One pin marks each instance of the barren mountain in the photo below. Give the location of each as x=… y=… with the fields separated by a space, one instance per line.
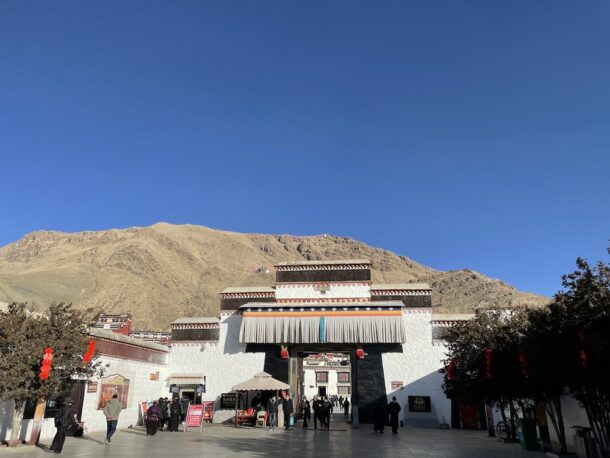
x=161 y=272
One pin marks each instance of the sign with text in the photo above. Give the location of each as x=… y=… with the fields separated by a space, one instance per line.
x=92 y=387
x=419 y=404
x=194 y=416
x=397 y=386
x=228 y=400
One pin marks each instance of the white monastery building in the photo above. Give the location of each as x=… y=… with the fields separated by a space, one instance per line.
x=384 y=337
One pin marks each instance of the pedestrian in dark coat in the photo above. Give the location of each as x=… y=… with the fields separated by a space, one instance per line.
x=288 y=411
x=317 y=404
x=175 y=411
x=272 y=409
x=394 y=409
x=152 y=419
x=379 y=417
x=346 y=408
x=162 y=413
x=305 y=411
x=64 y=422
x=325 y=411
x=185 y=405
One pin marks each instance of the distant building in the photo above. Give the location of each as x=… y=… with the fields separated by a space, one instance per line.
x=121 y=324
x=151 y=336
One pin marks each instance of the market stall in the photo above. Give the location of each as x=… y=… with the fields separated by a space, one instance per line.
x=261 y=382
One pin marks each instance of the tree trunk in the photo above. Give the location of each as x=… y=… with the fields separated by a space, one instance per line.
x=513 y=414
x=16 y=428
x=38 y=421
x=561 y=431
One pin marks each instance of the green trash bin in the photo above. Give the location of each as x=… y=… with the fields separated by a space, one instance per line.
x=526 y=428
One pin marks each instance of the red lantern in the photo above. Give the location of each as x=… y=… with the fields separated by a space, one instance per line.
x=523 y=362
x=284 y=352
x=582 y=354
x=90 y=351
x=451 y=369
x=359 y=353
x=583 y=358
x=45 y=367
x=488 y=360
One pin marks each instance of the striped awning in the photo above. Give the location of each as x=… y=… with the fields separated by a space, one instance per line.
x=347 y=326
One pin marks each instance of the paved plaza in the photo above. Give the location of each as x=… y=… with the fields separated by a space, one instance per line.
x=220 y=441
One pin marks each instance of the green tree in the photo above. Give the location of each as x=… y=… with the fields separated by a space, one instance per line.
x=585 y=305
x=23 y=338
x=501 y=383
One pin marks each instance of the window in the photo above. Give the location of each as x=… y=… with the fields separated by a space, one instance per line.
x=343 y=389
x=322 y=377
x=343 y=377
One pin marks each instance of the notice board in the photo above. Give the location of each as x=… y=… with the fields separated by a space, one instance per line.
x=194 y=416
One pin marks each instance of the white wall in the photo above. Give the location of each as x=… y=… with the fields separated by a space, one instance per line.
x=417 y=367
x=224 y=364
x=336 y=291
x=140 y=388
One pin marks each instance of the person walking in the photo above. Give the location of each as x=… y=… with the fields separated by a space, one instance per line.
x=316 y=412
x=152 y=419
x=64 y=422
x=288 y=411
x=272 y=409
x=112 y=410
x=175 y=411
x=379 y=417
x=162 y=413
x=325 y=411
x=185 y=406
x=305 y=411
x=394 y=409
x=346 y=408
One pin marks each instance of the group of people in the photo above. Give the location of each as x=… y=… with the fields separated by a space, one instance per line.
x=165 y=412
x=273 y=408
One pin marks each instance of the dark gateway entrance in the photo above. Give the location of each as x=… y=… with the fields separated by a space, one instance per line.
x=368 y=384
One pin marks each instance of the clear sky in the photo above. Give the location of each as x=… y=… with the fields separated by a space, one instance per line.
x=461 y=134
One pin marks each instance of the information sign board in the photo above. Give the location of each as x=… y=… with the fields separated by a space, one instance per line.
x=194 y=417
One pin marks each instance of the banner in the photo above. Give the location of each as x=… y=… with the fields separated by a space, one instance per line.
x=194 y=416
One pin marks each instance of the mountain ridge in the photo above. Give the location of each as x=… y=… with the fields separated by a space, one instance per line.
x=164 y=271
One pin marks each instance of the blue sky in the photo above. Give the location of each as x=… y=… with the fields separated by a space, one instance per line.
x=461 y=134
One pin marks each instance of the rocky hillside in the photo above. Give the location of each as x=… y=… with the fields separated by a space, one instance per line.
x=165 y=271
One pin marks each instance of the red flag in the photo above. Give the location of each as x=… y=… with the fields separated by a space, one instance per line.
x=488 y=360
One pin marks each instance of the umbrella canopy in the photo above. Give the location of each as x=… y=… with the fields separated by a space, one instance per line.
x=261 y=382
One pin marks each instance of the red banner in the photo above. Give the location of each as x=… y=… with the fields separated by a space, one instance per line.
x=194 y=415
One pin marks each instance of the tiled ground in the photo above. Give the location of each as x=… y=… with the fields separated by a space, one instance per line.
x=220 y=441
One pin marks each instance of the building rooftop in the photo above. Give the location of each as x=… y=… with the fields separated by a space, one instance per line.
x=248 y=289
x=323 y=263
x=105 y=334
x=452 y=316
x=196 y=320
x=399 y=286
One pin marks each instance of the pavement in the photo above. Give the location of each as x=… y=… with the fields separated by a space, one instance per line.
x=222 y=441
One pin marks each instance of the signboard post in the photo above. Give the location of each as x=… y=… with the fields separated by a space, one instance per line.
x=194 y=417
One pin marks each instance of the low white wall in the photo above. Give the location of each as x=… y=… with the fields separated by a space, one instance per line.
x=224 y=364
x=417 y=367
